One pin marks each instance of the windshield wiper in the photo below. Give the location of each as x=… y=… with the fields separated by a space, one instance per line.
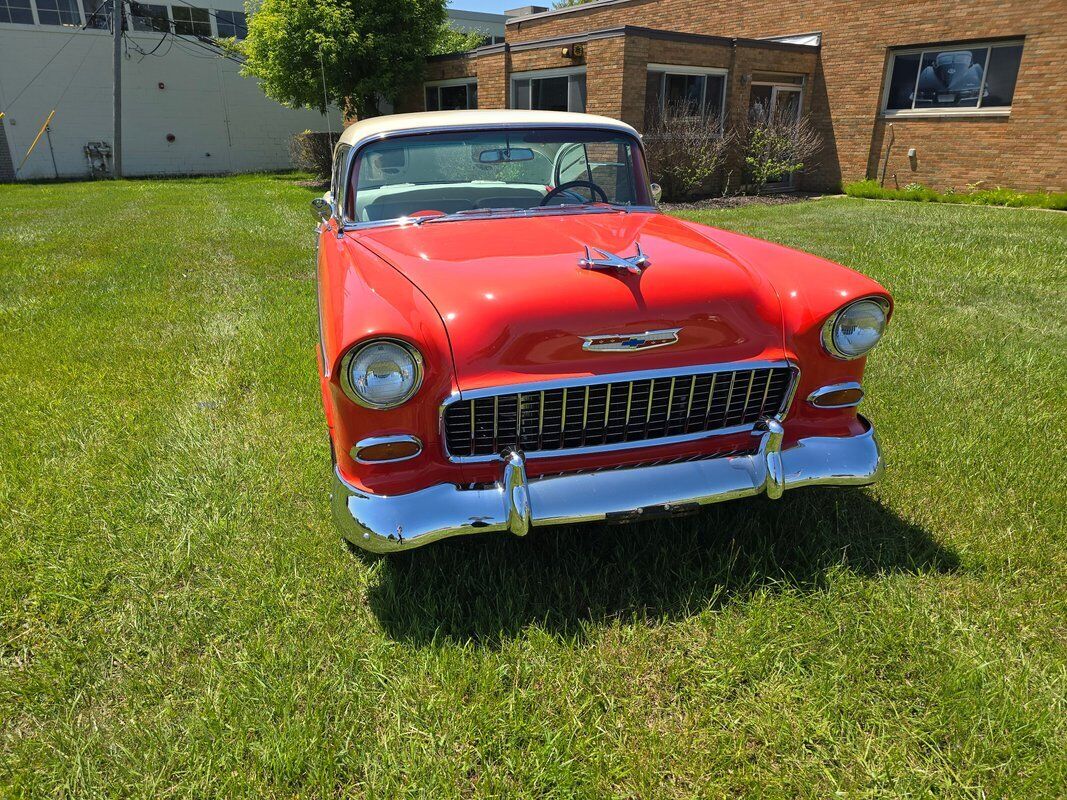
x=470 y=212
x=582 y=207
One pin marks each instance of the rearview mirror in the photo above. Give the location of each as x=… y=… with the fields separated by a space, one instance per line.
x=505 y=155
x=657 y=193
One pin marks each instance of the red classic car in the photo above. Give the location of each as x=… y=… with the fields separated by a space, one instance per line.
x=511 y=334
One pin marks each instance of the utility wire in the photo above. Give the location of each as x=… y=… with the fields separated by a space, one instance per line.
x=56 y=54
x=75 y=73
x=201 y=44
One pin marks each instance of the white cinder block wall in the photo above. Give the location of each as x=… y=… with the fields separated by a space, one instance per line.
x=221 y=122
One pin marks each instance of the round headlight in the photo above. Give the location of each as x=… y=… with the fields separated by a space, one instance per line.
x=383 y=373
x=855 y=329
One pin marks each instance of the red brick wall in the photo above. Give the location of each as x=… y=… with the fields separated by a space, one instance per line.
x=1025 y=150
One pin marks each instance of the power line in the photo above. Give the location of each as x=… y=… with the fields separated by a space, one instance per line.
x=75 y=73
x=200 y=43
x=56 y=54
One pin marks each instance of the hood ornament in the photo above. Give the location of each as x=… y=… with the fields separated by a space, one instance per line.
x=627 y=342
x=634 y=264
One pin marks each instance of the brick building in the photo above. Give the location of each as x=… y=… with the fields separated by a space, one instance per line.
x=965 y=90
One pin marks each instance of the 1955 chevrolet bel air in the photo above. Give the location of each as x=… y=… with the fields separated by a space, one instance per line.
x=511 y=334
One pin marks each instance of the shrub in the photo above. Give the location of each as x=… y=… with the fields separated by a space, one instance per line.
x=684 y=150
x=312 y=151
x=774 y=145
x=999 y=196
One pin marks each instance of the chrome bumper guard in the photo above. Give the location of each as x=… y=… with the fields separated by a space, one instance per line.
x=386 y=524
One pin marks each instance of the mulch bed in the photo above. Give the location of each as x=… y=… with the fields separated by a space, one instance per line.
x=740 y=201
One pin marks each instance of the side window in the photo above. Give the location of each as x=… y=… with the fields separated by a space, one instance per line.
x=337 y=184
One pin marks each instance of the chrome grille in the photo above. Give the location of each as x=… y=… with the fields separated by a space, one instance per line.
x=607 y=414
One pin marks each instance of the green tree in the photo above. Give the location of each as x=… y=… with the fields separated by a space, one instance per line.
x=451 y=40
x=570 y=3
x=370 y=50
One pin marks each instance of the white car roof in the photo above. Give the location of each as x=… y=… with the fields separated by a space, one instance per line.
x=376 y=127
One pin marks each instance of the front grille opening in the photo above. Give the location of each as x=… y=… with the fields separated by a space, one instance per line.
x=641 y=410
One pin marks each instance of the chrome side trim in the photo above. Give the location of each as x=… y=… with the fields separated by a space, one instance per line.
x=385 y=524
x=371 y=441
x=822 y=391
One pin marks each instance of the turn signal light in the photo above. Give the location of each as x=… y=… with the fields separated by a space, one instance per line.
x=837 y=398
x=399 y=449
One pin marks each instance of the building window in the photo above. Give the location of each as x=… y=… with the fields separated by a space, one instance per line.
x=454 y=95
x=549 y=90
x=691 y=91
x=149 y=18
x=189 y=21
x=97 y=14
x=231 y=24
x=58 y=12
x=952 y=79
x=16 y=11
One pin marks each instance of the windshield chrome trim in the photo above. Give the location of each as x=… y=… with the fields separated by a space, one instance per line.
x=354 y=149
x=546 y=211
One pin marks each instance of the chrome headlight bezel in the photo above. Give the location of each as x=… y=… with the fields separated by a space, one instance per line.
x=349 y=388
x=830 y=327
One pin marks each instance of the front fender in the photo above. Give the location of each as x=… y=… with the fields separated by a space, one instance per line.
x=810 y=289
x=362 y=297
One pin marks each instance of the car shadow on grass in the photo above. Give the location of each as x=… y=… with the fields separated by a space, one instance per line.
x=489 y=589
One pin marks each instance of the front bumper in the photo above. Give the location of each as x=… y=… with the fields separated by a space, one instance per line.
x=384 y=524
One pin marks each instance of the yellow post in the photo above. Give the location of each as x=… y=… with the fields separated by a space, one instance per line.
x=40 y=133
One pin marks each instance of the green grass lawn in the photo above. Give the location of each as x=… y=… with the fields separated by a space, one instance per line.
x=179 y=619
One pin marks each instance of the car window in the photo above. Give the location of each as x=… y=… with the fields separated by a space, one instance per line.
x=446 y=173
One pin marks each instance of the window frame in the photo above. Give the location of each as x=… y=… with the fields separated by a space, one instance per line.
x=225 y=16
x=174 y=21
x=32 y=8
x=438 y=85
x=58 y=12
x=132 y=22
x=542 y=74
x=678 y=69
x=940 y=47
x=96 y=15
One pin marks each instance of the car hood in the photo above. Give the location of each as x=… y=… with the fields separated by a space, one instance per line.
x=516 y=304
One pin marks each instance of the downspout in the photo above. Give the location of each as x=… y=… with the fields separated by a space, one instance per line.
x=888 y=148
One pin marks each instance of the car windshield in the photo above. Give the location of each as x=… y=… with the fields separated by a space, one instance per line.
x=472 y=172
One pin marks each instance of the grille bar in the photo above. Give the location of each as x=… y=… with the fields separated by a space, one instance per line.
x=614 y=413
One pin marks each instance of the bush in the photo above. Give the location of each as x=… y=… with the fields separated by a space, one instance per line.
x=999 y=196
x=684 y=151
x=774 y=145
x=313 y=152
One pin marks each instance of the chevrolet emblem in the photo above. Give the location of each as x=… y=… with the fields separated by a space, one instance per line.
x=626 y=342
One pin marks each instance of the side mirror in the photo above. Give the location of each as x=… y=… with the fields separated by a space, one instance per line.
x=321 y=209
x=657 y=193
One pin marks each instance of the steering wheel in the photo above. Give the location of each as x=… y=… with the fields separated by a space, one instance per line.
x=594 y=190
